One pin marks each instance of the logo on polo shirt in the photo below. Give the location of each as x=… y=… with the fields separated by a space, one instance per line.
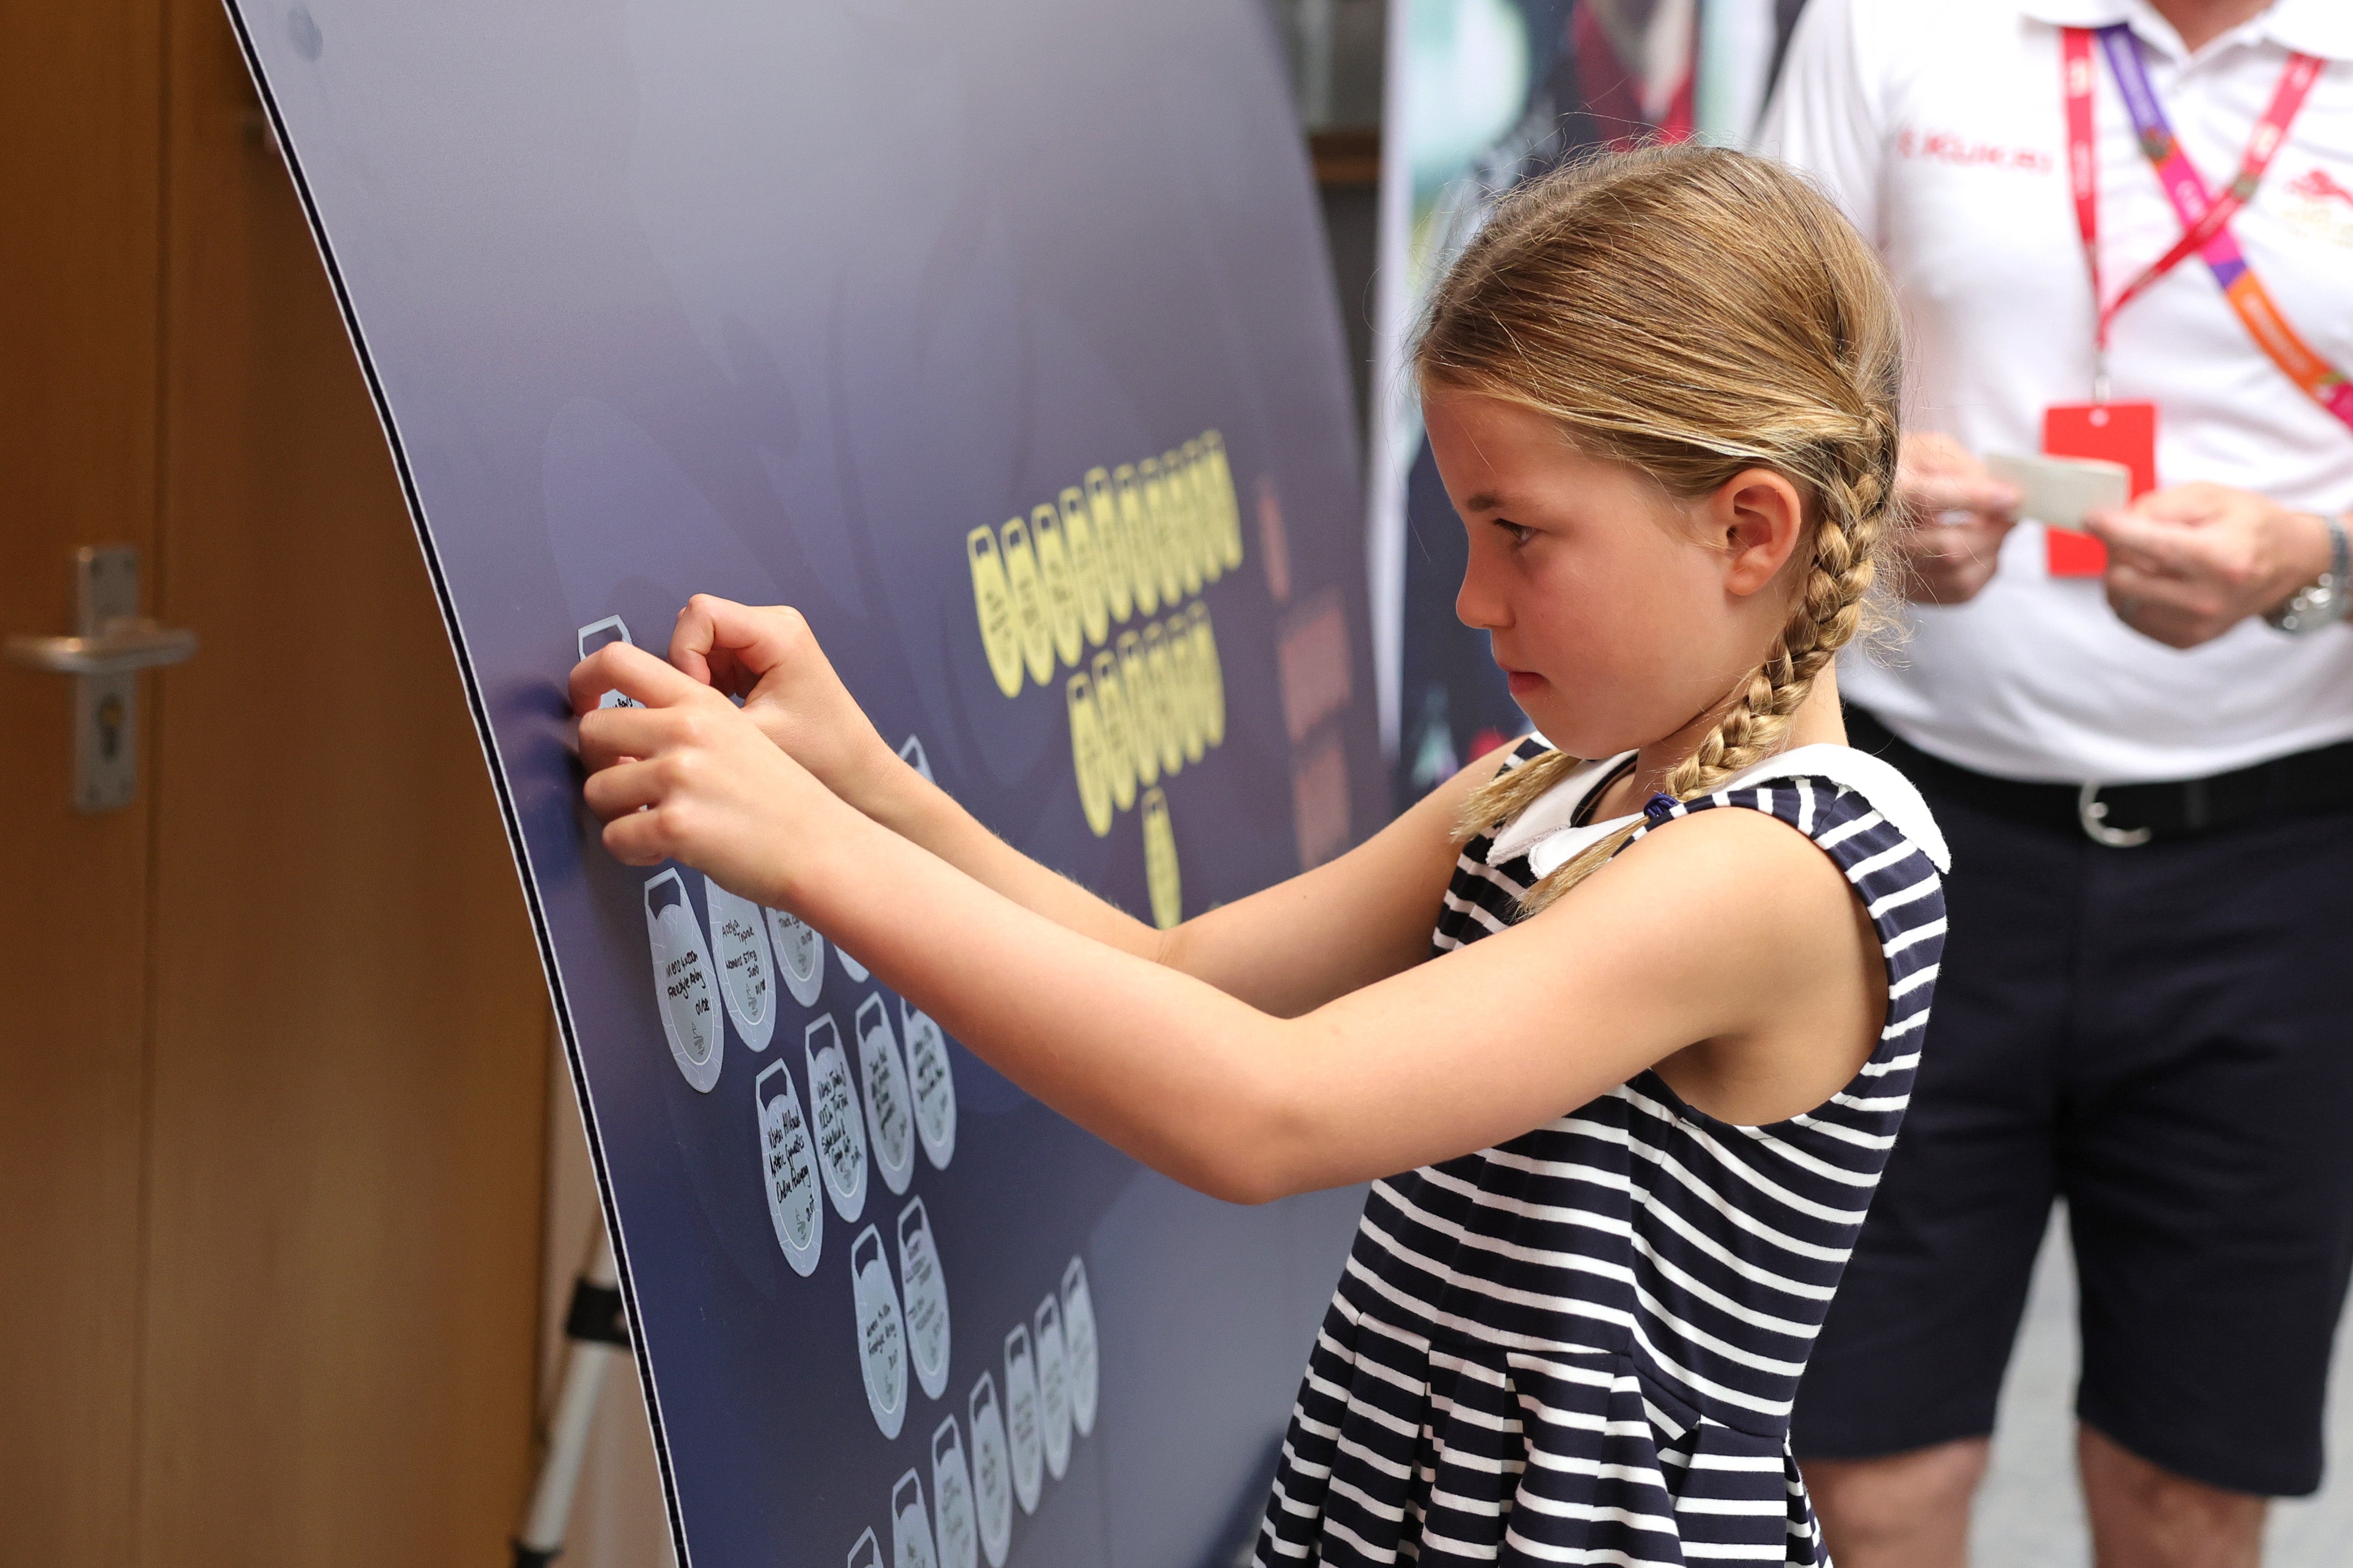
x=2317 y=184
x=1963 y=151
x=2318 y=205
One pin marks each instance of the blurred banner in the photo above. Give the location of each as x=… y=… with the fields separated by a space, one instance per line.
x=1483 y=94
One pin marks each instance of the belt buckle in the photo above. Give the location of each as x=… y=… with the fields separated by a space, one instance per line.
x=2091 y=812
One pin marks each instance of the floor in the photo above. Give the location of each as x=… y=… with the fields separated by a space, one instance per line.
x=2031 y=1514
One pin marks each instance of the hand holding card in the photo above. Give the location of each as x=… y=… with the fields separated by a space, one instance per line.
x=2061 y=492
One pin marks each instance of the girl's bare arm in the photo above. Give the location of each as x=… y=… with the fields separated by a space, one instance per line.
x=1727 y=927
x=1284 y=951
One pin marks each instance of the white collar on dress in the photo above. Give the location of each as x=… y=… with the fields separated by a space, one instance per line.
x=2322 y=27
x=1547 y=835
x=1553 y=812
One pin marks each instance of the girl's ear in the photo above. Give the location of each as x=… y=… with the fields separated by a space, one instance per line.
x=1758 y=518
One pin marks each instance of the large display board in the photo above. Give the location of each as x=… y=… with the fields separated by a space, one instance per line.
x=1000 y=341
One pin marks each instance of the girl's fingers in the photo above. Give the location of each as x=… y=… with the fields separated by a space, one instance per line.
x=717 y=638
x=697 y=641
x=633 y=672
x=639 y=838
x=619 y=790
x=610 y=735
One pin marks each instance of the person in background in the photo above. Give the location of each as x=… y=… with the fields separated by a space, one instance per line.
x=2120 y=228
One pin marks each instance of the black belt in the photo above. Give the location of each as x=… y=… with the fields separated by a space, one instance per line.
x=2123 y=816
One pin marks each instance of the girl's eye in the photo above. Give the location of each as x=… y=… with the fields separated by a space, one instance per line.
x=1517 y=534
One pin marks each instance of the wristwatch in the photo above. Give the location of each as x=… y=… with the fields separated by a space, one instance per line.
x=2323 y=603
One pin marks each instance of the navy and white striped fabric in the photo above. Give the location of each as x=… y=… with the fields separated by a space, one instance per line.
x=1582 y=1346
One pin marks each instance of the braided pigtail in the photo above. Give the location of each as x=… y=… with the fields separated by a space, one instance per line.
x=1692 y=312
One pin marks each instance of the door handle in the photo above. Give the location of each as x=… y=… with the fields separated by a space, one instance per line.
x=111 y=643
x=124 y=644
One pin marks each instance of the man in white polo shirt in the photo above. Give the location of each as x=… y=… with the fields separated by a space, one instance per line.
x=2146 y=997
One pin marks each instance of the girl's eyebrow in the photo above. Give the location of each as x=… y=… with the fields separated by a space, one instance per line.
x=1485 y=500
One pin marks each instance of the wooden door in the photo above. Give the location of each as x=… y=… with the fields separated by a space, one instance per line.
x=273 y=1085
x=81 y=146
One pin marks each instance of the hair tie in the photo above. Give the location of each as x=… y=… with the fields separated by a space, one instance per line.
x=1660 y=808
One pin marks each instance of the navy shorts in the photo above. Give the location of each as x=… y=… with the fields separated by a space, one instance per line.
x=2162 y=1035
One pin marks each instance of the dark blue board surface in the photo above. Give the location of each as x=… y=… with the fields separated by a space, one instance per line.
x=780 y=301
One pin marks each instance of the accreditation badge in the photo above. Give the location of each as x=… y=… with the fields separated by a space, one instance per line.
x=2114 y=433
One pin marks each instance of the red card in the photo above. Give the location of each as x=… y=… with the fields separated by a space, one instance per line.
x=2114 y=432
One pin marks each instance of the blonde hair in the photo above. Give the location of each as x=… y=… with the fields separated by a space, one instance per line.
x=1692 y=312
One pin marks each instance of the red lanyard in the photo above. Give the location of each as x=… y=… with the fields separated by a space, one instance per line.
x=2183 y=186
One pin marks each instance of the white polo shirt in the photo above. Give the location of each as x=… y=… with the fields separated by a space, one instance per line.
x=1940 y=128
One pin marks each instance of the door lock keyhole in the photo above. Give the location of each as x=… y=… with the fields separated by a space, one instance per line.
x=110 y=714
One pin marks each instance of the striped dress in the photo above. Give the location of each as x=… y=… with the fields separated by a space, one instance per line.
x=1581 y=1346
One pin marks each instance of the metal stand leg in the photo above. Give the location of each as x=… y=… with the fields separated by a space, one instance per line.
x=598 y=1332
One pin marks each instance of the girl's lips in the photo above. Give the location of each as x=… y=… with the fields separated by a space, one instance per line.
x=1524 y=682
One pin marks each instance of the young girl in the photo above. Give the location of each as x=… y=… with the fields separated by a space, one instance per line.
x=1653 y=1059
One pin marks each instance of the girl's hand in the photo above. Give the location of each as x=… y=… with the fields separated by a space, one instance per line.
x=689 y=777
x=770 y=658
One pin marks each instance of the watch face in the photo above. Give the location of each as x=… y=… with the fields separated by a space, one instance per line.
x=2324 y=603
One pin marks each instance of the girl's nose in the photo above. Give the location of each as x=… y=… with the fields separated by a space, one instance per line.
x=1478 y=605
